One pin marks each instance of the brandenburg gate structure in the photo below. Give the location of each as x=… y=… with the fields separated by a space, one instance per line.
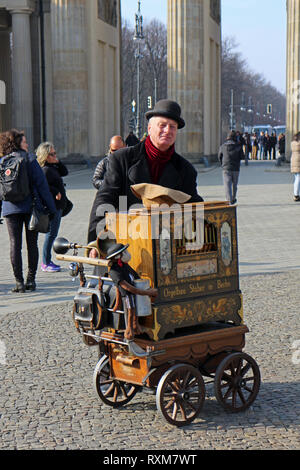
x=60 y=69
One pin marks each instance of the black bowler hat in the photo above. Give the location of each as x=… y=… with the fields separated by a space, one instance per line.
x=169 y=109
x=115 y=250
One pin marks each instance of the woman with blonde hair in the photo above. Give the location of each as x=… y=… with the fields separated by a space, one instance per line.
x=53 y=170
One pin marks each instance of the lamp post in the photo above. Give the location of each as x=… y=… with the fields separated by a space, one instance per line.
x=138 y=36
x=243 y=107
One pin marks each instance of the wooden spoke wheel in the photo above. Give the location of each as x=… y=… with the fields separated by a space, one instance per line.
x=112 y=392
x=237 y=382
x=180 y=394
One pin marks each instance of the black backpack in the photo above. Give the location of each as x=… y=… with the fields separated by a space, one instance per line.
x=14 y=179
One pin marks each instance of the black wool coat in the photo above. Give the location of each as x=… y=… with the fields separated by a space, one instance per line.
x=54 y=173
x=129 y=166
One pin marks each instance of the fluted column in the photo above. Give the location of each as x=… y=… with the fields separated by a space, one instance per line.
x=293 y=73
x=22 y=103
x=70 y=77
x=186 y=70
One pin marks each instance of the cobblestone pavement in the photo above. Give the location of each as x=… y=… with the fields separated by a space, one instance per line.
x=47 y=399
x=48 y=402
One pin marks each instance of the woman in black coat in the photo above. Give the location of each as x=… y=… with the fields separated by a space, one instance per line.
x=17 y=214
x=54 y=170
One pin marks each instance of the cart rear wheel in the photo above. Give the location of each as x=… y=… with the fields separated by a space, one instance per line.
x=237 y=382
x=112 y=392
x=180 y=394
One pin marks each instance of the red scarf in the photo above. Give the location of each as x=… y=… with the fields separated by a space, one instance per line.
x=121 y=263
x=157 y=159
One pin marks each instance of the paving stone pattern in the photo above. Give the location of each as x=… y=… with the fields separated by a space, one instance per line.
x=47 y=399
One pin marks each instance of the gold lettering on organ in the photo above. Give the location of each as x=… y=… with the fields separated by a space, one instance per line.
x=197 y=287
x=173 y=292
x=223 y=284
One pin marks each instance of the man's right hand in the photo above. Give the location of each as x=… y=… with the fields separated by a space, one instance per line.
x=152 y=292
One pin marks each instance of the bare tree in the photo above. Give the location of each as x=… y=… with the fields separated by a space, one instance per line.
x=252 y=92
x=153 y=70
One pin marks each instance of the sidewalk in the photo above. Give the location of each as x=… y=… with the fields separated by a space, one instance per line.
x=47 y=400
x=268 y=227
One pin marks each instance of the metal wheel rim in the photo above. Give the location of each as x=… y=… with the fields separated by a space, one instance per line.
x=180 y=394
x=112 y=392
x=237 y=382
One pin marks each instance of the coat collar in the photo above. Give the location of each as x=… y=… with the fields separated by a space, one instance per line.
x=139 y=171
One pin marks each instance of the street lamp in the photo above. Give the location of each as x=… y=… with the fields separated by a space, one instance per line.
x=242 y=106
x=138 y=36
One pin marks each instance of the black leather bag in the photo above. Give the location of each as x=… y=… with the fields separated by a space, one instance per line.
x=39 y=221
x=68 y=207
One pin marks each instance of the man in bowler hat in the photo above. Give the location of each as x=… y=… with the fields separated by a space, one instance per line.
x=153 y=161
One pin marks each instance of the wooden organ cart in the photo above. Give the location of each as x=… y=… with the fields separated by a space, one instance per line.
x=195 y=328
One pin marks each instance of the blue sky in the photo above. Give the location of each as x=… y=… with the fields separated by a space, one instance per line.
x=258 y=26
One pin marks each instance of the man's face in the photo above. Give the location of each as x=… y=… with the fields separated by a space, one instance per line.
x=116 y=143
x=162 y=132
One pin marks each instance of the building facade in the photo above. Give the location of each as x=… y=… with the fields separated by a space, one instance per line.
x=60 y=62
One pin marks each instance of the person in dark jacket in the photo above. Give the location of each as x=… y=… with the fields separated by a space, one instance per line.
x=131 y=139
x=18 y=214
x=116 y=143
x=230 y=155
x=53 y=170
x=152 y=161
x=261 y=142
x=281 y=148
x=273 y=143
x=267 y=146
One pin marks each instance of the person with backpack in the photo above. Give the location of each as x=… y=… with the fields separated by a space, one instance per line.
x=53 y=170
x=21 y=181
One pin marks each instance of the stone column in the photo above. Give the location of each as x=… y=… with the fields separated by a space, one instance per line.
x=70 y=77
x=186 y=71
x=194 y=44
x=22 y=104
x=293 y=73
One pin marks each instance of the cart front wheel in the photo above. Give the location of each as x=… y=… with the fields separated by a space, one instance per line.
x=237 y=382
x=112 y=392
x=180 y=394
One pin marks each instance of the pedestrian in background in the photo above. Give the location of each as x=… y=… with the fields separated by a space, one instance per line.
x=254 y=145
x=17 y=214
x=281 y=146
x=230 y=155
x=267 y=146
x=247 y=147
x=131 y=140
x=295 y=165
x=53 y=170
x=116 y=143
x=273 y=143
x=261 y=142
